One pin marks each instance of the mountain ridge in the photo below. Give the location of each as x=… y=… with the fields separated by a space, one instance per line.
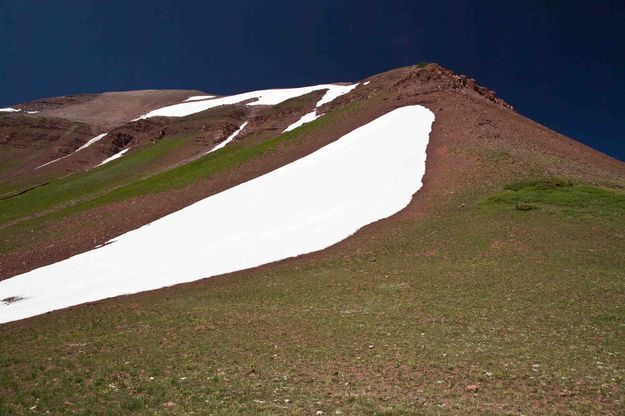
x=497 y=289
x=478 y=119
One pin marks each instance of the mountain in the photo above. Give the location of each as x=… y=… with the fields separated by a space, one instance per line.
x=486 y=275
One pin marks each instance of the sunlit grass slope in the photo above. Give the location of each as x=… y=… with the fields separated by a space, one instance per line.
x=527 y=305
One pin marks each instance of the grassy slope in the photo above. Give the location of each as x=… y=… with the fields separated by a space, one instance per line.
x=84 y=184
x=122 y=179
x=12 y=156
x=87 y=185
x=522 y=304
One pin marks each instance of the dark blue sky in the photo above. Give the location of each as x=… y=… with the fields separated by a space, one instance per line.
x=561 y=63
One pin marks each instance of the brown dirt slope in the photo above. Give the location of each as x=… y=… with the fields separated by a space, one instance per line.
x=453 y=306
x=478 y=143
x=63 y=124
x=110 y=109
x=27 y=141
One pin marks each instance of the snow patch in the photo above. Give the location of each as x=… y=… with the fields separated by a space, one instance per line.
x=89 y=143
x=302 y=207
x=334 y=92
x=366 y=83
x=306 y=118
x=9 y=110
x=115 y=156
x=199 y=97
x=229 y=139
x=52 y=161
x=329 y=96
x=263 y=97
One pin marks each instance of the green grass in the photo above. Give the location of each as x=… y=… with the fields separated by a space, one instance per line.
x=119 y=181
x=526 y=305
x=226 y=158
x=563 y=197
x=85 y=184
x=123 y=181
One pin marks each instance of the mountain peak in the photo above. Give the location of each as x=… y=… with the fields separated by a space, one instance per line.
x=431 y=77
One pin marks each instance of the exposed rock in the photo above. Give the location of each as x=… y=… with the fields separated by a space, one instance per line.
x=524 y=206
x=444 y=78
x=471 y=388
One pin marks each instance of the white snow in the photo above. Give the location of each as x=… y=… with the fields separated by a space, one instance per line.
x=329 y=96
x=199 y=97
x=15 y=110
x=366 y=83
x=306 y=118
x=308 y=205
x=52 y=161
x=334 y=92
x=89 y=143
x=263 y=97
x=228 y=139
x=115 y=156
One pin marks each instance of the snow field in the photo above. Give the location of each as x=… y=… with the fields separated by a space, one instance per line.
x=368 y=174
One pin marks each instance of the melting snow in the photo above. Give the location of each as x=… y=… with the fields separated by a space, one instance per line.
x=115 y=156
x=329 y=96
x=9 y=110
x=52 y=161
x=335 y=92
x=89 y=143
x=306 y=118
x=229 y=139
x=304 y=206
x=263 y=97
x=199 y=97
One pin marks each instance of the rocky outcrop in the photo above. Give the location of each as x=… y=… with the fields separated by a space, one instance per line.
x=411 y=83
x=462 y=82
x=433 y=77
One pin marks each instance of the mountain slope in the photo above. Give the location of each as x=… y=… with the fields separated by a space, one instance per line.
x=109 y=109
x=302 y=207
x=459 y=289
x=477 y=143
